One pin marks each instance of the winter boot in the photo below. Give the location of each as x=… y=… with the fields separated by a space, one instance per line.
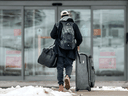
x=61 y=88
x=67 y=82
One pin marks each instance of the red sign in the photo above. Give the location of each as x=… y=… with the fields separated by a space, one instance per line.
x=107 y=63
x=107 y=53
x=13 y=62
x=13 y=52
x=97 y=32
x=17 y=32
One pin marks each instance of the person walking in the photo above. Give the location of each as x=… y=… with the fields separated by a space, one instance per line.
x=67 y=38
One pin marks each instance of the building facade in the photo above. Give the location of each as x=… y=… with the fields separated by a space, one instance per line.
x=25 y=27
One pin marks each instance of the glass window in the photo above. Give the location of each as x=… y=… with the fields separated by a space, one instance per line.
x=10 y=43
x=108 y=42
x=38 y=25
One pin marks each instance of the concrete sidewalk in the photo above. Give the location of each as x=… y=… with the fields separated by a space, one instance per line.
x=97 y=93
x=55 y=84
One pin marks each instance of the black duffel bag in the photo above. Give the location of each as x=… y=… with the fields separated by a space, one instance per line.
x=48 y=57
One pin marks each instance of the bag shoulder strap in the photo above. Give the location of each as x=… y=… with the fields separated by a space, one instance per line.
x=52 y=45
x=57 y=25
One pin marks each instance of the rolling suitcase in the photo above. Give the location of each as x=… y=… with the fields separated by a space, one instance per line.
x=85 y=73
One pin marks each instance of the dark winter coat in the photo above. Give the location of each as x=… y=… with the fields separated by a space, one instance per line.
x=57 y=34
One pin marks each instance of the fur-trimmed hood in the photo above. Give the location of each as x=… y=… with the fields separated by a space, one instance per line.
x=66 y=18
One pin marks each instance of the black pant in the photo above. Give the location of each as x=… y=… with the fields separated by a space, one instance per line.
x=62 y=63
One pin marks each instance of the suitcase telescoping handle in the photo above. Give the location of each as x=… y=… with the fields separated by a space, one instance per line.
x=78 y=56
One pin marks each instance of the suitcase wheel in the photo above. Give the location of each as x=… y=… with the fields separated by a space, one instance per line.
x=77 y=89
x=92 y=84
x=89 y=89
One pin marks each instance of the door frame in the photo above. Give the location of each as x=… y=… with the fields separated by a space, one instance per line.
x=22 y=43
x=57 y=17
x=98 y=78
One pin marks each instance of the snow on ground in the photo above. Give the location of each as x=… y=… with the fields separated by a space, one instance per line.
x=109 y=88
x=40 y=91
x=32 y=91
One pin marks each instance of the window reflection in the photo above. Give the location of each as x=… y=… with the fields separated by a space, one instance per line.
x=108 y=39
x=10 y=43
x=38 y=25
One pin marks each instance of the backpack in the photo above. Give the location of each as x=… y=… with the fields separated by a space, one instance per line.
x=67 y=40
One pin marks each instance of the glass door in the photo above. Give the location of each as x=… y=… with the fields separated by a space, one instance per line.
x=39 y=22
x=11 y=43
x=82 y=17
x=108 y=42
